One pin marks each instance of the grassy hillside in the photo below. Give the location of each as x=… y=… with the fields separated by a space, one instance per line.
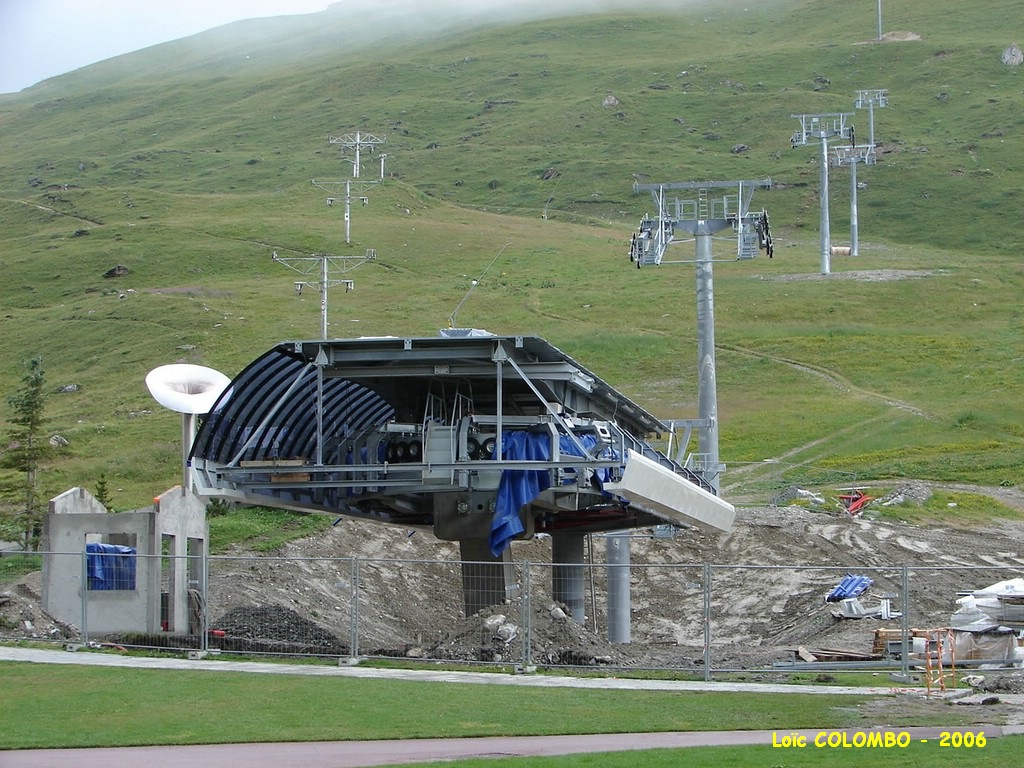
x=190 y=162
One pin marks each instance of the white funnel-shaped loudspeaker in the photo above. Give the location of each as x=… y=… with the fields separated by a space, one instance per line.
x=186 y=388
x=191 y=390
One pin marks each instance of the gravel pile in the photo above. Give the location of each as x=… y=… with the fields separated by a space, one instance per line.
x=1002 y=684
x=21 y=616
x=795 y=494
x=270 y=629
x=555 y=639
x=914 y=493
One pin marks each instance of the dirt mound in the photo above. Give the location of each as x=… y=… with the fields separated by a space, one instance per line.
x=272 y=628
x=761 y=612
x=859 y=275
x=900 y=36
x=555 y=639
x=911 y=492
x=21 y=615
x=768 y=583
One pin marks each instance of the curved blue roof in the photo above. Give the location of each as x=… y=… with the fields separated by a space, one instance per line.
x=269 y=411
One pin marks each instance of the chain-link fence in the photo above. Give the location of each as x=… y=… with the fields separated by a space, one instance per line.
x=698 y=618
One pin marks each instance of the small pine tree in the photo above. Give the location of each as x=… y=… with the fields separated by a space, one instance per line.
x=28 y=449
x=103 y=492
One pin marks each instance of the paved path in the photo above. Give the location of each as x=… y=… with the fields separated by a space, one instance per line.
x=353 y=754
x=210 y=664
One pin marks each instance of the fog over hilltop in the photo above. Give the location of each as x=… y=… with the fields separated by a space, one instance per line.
x=46 y=38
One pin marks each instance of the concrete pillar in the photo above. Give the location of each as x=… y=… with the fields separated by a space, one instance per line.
x=619 y=604
x=567 y=573
x=854 y=226
x=486 y=580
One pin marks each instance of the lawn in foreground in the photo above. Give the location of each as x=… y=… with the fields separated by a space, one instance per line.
x=71 y=706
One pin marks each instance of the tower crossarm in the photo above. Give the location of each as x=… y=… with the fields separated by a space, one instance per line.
x=850 y=155
x=727 y=208
x=822 y=126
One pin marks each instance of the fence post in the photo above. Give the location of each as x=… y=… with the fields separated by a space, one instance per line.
x=204 y=609
x=525 y=619
x=707 y=622
x=85 y=598
x=905 y=633
x=353 y=613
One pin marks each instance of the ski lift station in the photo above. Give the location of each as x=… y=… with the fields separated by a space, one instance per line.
x=475 y=438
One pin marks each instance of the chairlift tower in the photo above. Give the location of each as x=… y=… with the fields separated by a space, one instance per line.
x=878 y=97
x=347 y=199
x=352 y=141
x=823 y=127
x=712 y=210
x=326 y=265
x=358 y=141
x=853 y=156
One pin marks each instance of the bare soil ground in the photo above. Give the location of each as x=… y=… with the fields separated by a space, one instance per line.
x=409 y=602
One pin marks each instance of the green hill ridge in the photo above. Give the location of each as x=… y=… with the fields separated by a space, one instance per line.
x=189 y=163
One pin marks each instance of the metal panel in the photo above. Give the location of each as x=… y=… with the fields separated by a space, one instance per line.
x=650 y=486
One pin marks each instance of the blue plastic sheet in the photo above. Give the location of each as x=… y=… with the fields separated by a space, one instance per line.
x=567 y=447
x=110 y=566
x=517 y=486
x=520 y=486
x=850 y=586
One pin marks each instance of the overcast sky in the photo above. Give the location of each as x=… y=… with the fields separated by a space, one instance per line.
x=44 y=38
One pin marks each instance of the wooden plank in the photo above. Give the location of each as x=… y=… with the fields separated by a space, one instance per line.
x=806 y=655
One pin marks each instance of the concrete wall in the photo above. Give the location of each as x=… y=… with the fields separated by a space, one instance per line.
x=75 y=501
x=171 y=542
x=181 y=520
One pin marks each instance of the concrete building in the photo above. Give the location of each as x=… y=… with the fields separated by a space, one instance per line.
x=138 y=571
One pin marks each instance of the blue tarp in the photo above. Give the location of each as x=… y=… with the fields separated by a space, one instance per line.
x=110 y=566
x=517 y=486
x=520 y=486
x=850 y=586
x=567 y=447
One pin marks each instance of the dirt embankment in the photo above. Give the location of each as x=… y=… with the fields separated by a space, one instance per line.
x=409 y=586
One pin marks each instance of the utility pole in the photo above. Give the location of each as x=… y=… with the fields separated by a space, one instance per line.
x=822 y=127
x=355 y=141
x=853 y=156
x=348 y=208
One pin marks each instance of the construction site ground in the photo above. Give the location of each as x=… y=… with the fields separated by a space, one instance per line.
x=761 y=616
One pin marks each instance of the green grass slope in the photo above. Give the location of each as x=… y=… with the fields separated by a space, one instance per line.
x=189 y=163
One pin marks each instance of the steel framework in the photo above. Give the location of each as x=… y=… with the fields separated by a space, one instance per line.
x=306 y=265
x=822 y=127
x=358 y=141
x=702 y=216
